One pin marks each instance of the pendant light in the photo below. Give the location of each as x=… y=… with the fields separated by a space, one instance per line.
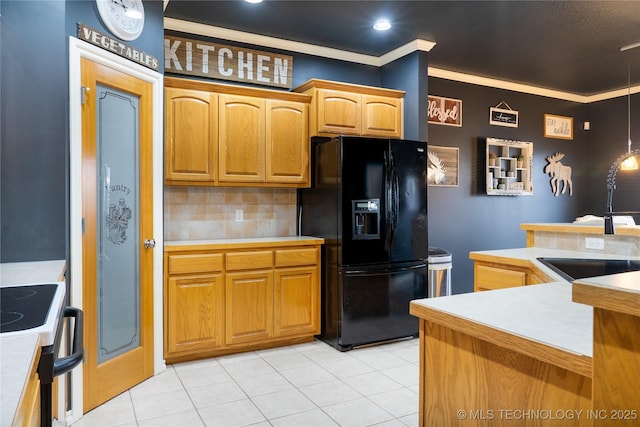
x=630 y=163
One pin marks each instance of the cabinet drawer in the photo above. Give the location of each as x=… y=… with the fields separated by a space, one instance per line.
x=300 y=256
x=498 y=278
x=195 y=263
x=249 y=260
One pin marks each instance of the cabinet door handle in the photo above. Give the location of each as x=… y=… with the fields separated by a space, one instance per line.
x=149 y=243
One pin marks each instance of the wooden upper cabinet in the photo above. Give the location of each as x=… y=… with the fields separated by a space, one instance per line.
x=381 y=116
x=348 y=109
x=235 y=135
x=287 y=142
x=191 y=134
x=339 y=112
x=241 y=139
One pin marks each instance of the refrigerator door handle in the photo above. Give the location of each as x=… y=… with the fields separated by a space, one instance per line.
x=388 y=202
x=396 y=207
x=393 y=208
x=385 y=271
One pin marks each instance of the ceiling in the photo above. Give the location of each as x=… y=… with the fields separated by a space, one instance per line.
x=567 y=46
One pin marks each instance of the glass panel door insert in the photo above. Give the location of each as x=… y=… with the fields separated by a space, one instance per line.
x=118 y=240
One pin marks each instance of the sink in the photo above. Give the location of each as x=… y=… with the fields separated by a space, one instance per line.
x=579 y=268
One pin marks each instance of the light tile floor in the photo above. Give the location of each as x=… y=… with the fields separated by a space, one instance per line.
x=310 y=384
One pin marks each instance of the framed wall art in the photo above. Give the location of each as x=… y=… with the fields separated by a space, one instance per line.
x=442 y=166
x=503 y=116
x=559 y=127
x=444 y=111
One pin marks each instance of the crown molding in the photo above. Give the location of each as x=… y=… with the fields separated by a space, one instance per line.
x=272 y=42
x=529 y=89
x=292 y=46
x=412 y=46
x=504 y=84
x=378 y=61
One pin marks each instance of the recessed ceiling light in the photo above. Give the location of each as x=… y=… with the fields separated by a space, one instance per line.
x=253 y=1
x=382 y=25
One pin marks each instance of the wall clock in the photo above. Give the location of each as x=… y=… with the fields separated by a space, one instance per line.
x=124 y=18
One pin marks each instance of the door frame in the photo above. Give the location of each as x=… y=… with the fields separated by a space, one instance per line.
x=80 y=49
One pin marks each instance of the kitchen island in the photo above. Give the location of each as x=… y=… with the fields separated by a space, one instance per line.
x=526 y=355
x=502 y=357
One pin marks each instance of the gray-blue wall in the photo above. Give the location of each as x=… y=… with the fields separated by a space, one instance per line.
x=34 y=142
x=409 y=74
x=34 y=139
x=608 y=136
x=463 y=219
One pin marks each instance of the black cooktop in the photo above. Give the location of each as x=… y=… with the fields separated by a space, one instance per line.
x=25 y=307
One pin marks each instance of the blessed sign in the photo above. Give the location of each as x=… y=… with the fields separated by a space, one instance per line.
x=217 y=61
x=444 y=111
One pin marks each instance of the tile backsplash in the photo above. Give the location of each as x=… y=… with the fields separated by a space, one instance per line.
x=203 y=213
x=613 y=244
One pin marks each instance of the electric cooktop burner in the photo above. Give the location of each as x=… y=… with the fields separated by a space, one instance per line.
x=25 y=307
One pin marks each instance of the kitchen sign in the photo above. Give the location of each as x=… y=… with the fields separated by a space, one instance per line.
x=99 y=39
x=222 y=62
x=444 y=111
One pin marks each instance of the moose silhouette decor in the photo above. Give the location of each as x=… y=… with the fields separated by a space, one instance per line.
x=560 y=174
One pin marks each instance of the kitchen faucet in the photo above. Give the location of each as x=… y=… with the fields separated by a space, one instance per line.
x=611 y=185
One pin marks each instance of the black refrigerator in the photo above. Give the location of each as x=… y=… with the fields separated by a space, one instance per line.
x=368 y=200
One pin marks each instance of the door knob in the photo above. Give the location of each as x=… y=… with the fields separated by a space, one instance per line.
x=149 y=243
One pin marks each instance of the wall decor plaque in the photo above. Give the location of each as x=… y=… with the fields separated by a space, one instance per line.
x=223 y=62
x=503 y=116
x=559 y=127
x=444 y=111
x=442 y=166
x=111 y=44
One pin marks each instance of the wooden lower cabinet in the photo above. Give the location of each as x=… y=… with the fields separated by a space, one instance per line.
x=28 y=410
x=221 y=301
x=249 y=302
x=296 y=301
x=488 y=275
x=196 y=305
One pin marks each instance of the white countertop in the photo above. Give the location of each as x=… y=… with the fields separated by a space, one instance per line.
x=17 y=350
x=16 y=358
x=622 y=282
x=20 y=273
x=531 y=255
x=543 y=313
x=616 y=292
x=241 y=241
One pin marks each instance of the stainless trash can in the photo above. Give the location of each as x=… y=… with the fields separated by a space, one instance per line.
x=440 y=264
